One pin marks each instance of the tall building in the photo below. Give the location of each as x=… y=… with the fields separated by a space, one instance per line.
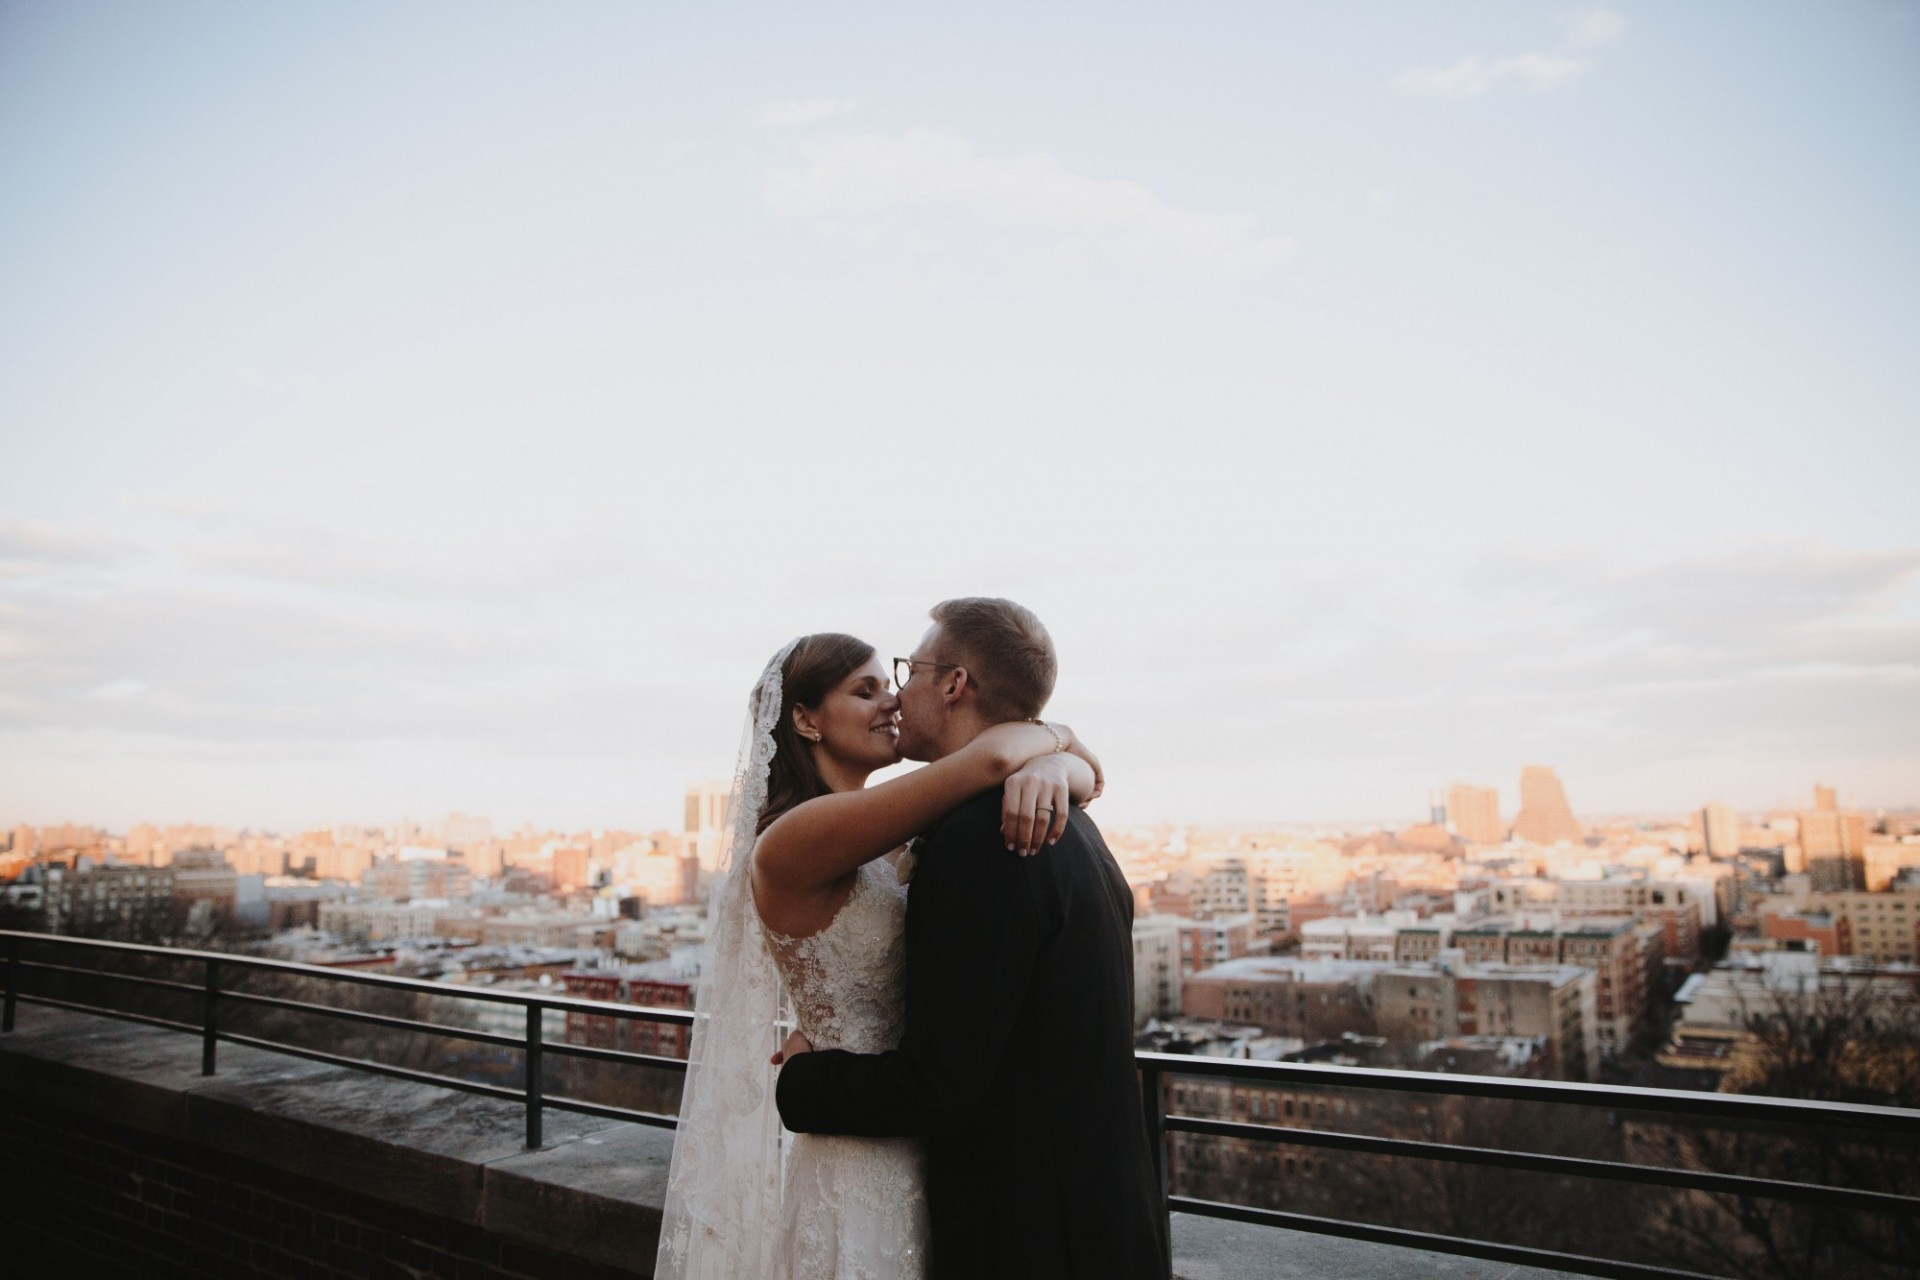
x=1552 y=1001
x=69 y=836
x=1884 y=927
x=101 y=900
x=653 y=869
x=1205 y=943
x=1545 y=817
x=1885 y=859
x=1474 y=813
x=1409 y=1005
x=254 y=855
x=1721 y=829
x=204 y=875
x=404 y=879
x=1833 y=844
x=1680 y=908
x=1156 y=968
x=336 y=859
x=1285 y=996
x=1618 y=952
x=707 y=821
x=571 y=869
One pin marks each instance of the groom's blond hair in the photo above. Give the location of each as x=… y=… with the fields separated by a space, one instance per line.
x=1006 y=649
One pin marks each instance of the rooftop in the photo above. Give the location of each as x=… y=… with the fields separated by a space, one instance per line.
x=1299 y=968
x=389 y=1160
x=502 y=1148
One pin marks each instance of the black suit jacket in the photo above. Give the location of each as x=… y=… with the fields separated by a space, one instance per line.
x=1017 y=1061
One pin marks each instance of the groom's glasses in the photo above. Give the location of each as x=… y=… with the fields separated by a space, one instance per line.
x=903 y=669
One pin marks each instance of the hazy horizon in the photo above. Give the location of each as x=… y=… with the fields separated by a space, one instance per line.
x=504 y=827
x=411 y=410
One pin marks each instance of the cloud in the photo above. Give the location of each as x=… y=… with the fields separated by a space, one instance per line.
x=1324 y=689
x=1653 y=686
x=1781 y=658
x=794 y=112
x=924 y=174
x=1475 y=76
x=53 y=543
x=1594 y=28
x=35 y=547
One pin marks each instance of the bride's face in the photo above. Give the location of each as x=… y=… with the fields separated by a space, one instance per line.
x=859 y=722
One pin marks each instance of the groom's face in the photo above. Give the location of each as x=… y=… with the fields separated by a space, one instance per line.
x=923 y=709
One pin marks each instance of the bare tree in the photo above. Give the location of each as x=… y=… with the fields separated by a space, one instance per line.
x=1854 y=1039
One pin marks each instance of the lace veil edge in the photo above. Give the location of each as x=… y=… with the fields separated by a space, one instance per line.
x=722 y=1219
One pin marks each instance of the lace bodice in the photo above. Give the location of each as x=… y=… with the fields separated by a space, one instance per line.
x=856 y=1207
x=847 y=981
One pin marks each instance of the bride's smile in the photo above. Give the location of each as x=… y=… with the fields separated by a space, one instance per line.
x=855 y=729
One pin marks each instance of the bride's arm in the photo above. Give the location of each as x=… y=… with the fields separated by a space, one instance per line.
x=814 y=844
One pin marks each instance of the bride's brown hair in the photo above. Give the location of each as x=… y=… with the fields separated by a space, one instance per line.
x=817 y=663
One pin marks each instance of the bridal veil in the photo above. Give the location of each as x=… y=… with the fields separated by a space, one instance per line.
x=722 y=1219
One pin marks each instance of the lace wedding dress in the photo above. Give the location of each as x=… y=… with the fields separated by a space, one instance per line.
x=855 y=1208
x=745 y=1199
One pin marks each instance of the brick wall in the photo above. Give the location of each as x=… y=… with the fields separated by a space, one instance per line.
x=83 y=1197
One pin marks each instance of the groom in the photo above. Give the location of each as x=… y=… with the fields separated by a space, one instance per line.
x=1017 y=1062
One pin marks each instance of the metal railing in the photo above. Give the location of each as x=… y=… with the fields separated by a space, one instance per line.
x=214 y=995
x=1156 y=1067
x=1155 y=1070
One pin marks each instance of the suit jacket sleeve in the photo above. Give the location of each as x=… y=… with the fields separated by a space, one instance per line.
x=974 y=926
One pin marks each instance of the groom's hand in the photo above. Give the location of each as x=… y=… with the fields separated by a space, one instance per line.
x=796 y=1044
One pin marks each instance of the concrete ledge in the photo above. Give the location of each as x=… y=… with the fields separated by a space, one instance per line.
x=600 y=1193
x=593 y=1193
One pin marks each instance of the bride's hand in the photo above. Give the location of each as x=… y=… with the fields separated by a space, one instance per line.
x=796 y=1044
x=1033 y=810
x=1070 y=741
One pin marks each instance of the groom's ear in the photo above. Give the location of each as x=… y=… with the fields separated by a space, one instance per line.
x=959 y=680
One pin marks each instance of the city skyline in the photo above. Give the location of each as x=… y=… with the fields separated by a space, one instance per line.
x=449 y=410
x=1476 y=814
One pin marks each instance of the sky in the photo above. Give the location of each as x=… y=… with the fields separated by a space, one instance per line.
x=407 y=409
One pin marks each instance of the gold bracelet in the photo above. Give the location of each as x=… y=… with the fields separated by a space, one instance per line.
x=1059 y=743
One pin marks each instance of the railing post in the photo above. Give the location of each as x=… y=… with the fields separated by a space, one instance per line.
x=13 y=983
x=1153 y=1104
x=533 y=1076
x=210 y=1023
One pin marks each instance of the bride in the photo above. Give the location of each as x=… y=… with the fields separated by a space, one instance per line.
x=809 y=902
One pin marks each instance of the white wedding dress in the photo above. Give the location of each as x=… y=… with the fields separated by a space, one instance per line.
x=746 y=1200
x=855 y=1208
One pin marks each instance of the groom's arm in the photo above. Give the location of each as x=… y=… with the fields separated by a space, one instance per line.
x=973 y=930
